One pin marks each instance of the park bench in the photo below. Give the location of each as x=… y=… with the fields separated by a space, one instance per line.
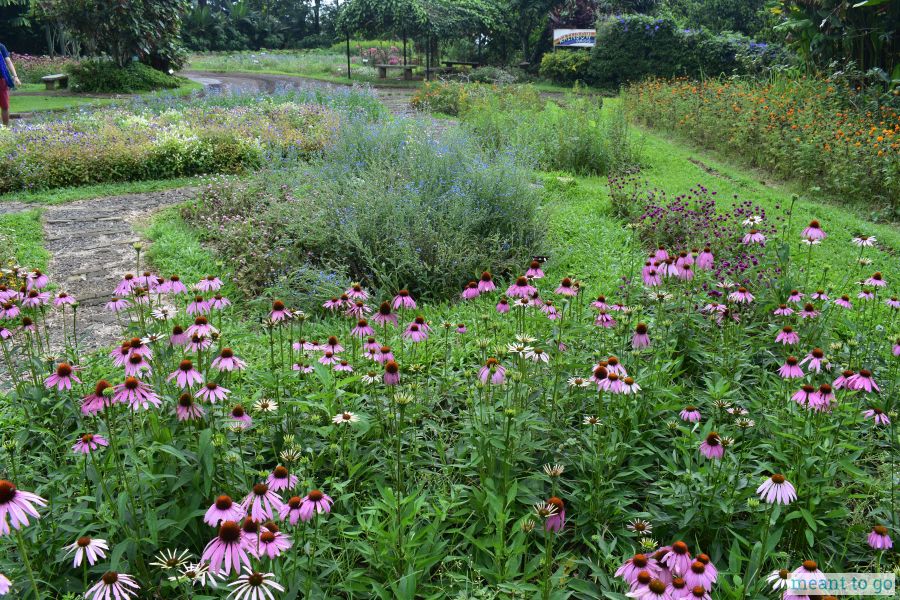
x=407 y=70
x=51 y=80
x=462 y=63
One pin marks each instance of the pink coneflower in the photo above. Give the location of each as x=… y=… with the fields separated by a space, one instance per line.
x=844 y=302
x=842 y=382
x=210 y=283
x=280 y=479
x=705 y=260
x=404 y=300
x=87 y=548
x=262 y=502
x=521 y=288
x=279 y=312
x=173 y=285
x=684 y=258
x=9 y=311
x=461 y=328
x=63 y=299
x=16 y=506
x=604 y=320
x=678 y=559
x=795 y=296
x=149 y=280
x=357 y=309
x=712 y=449
x=415 y=333
x=640 y=339
x=876 y=280
x=34 y=299
x=690 y=414
x=179 y=337
x=356 y=292
x=879 y=539
x=186 y=409
x=776 y=490
x=28 y=325
x=629 y=386
x=385 y=355
x=471 y=291
x=95 y=402
x=813 y=231
x=273 y=543
x=5 y=585
x=556 y=521
x=486 y=282
x=333 y=345
x=227 y=361
x=804 y=394
x=88 y=443
x=62 y=378
x=893 y=302
x=201 y=327
x=787 y=336
x=534 y=270
x=118 y=586
x=809 y=311
x=385 y=315
x=741 y=296
x=600 y=303
x=503 y=305
x=634 y=565
x=865 y=294
x=754 y=236
x=328 y=358
x=550 y=310
x=699 y=593
x=199 y=306
x=219 y=302
x=661 y=254
x=37 y=280
x=822 y=400
x=791 y=369
x=820 y=295
x=651 y=277
x=371 y=344
x=136 y=366
x=253 y=585
x=333 y=304
x=685 y=273
x=391 y=373
x=613 y=365
x=878 y=416
x=343 y=366
x=711 y=569
x=566 y=288
x=186 y=375
x=223 y=509
x=227 y=549
x=135 y=393
x=699 y=575
x=863 y=381
x=239 y=417
x=303 y=367
x=492 y=371
x=290 y=510
x=212 y=392
x=815 y=358
x=315 y=502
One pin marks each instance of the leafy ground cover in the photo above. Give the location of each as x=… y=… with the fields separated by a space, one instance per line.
x=696 y=421
x=22 y=239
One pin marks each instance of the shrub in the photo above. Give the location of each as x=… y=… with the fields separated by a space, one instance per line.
x=453 y=98
x=104 y=76
x=497 y=75
x=388 y=205
x=806 y=130
x=565 y=66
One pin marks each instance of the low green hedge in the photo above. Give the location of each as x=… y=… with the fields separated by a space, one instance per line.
x=105 y=77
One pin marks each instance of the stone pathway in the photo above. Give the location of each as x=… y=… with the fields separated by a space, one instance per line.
x=91 y=242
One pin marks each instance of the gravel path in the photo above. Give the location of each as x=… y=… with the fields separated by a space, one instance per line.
x=91 y=242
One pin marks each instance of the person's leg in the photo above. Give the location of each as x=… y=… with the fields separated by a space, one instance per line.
x=4 y=102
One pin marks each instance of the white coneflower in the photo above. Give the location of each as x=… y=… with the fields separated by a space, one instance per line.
x=640 y=526
x=345 y=418
x=525 y=339
x=371 y=378
x=591 y=421
x=864 y=240
x=254 y=586
x=264 y=405
x=168 y=560
x=648 y=544
x=578 y=382
x=554 y=470
x=291 y=455
x=778 y=579
x=196 y=574
x=537 y=355
x=545 y=510
x=163 y=313
x=753 y=220
x=520 y=349
x=864 y=261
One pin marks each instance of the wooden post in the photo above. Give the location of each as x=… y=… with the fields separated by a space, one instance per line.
x=404 y=49
x=348 y=57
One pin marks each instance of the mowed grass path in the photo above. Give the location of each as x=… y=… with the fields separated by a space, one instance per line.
x=587 y=242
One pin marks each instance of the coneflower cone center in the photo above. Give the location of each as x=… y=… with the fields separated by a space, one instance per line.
x=229 y=532
x=260 y=489
x=880 y=529
x=280 y=472
x=7 y=491
x=224 y=502
x=316 y=495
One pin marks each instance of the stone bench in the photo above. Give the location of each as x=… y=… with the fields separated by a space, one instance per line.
x=407 y=70
x=50 y=81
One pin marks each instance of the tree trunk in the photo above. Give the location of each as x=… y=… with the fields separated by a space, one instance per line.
x=317 y=8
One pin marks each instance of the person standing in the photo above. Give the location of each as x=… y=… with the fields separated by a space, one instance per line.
x=8 y=80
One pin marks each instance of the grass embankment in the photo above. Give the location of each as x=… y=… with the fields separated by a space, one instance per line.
x=22 y=240
x=29 y=98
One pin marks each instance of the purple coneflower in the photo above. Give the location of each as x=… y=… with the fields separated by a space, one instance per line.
x=16 y=506
x=471 y=291
x=629 y=386
x=356 y=292
x=640 y=339
x=89 y=548
x=328 y=358
x=809 y=311
x=534 y=270
x=227 y=361
x=879 y=539
x=690 y=414
x=136 y=366
x=604 y=320
x=866 y=294
x=179 y=337
x=332 y=304
x=210 y=283
x=223 y=509
x=280 y=479
x=219 y=302
x=815 y=359
x=118 y=586
x=754 y=236
x=186 y=375
x=705 y=260
x=212 y=392
x=37 y=280
x=262 y=502
x=651 y=277
x=201 y=327
x=486 y=282
x=199 y=306
x=186 y=409
x=566 y=288
x=844 y=302
x=415 y=333
x=550 y=310
x=712 y=449
x=791 y=369
x=876 y=280
x=63 y=299
x=391 y=373
x=385 y=315
x=492 y=371
x=239 y=417
x=8 y=310
x=34 y=299
x=678 y=558
x=521 y=288
x=95 y=402
x=273 y=543
x=88 y=443
x=314 y=502
x=864 y=241
x=634 y=565
x=404 y=300
x=741 y=296
x=813 y=231
x=893 y=302
x=863 y=381
x=787 y=336
x=503 y=305
x=227 y=549
x=777 y=490
x=136 y=394
x=343 y=366
x=795 y=296
x=699 y=575
x=556 y=521
x=62 y=378
x=843 y=380
x=117 y=305
x=804 y=394
x=279 y=312
x=878 y=416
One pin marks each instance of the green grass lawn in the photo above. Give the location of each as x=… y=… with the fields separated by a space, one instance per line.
x=29 y=103
x=22 y=239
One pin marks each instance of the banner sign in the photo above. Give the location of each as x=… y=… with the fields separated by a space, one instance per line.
x=575 y=38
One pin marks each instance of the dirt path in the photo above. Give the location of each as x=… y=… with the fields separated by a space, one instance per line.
x=91 y=242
